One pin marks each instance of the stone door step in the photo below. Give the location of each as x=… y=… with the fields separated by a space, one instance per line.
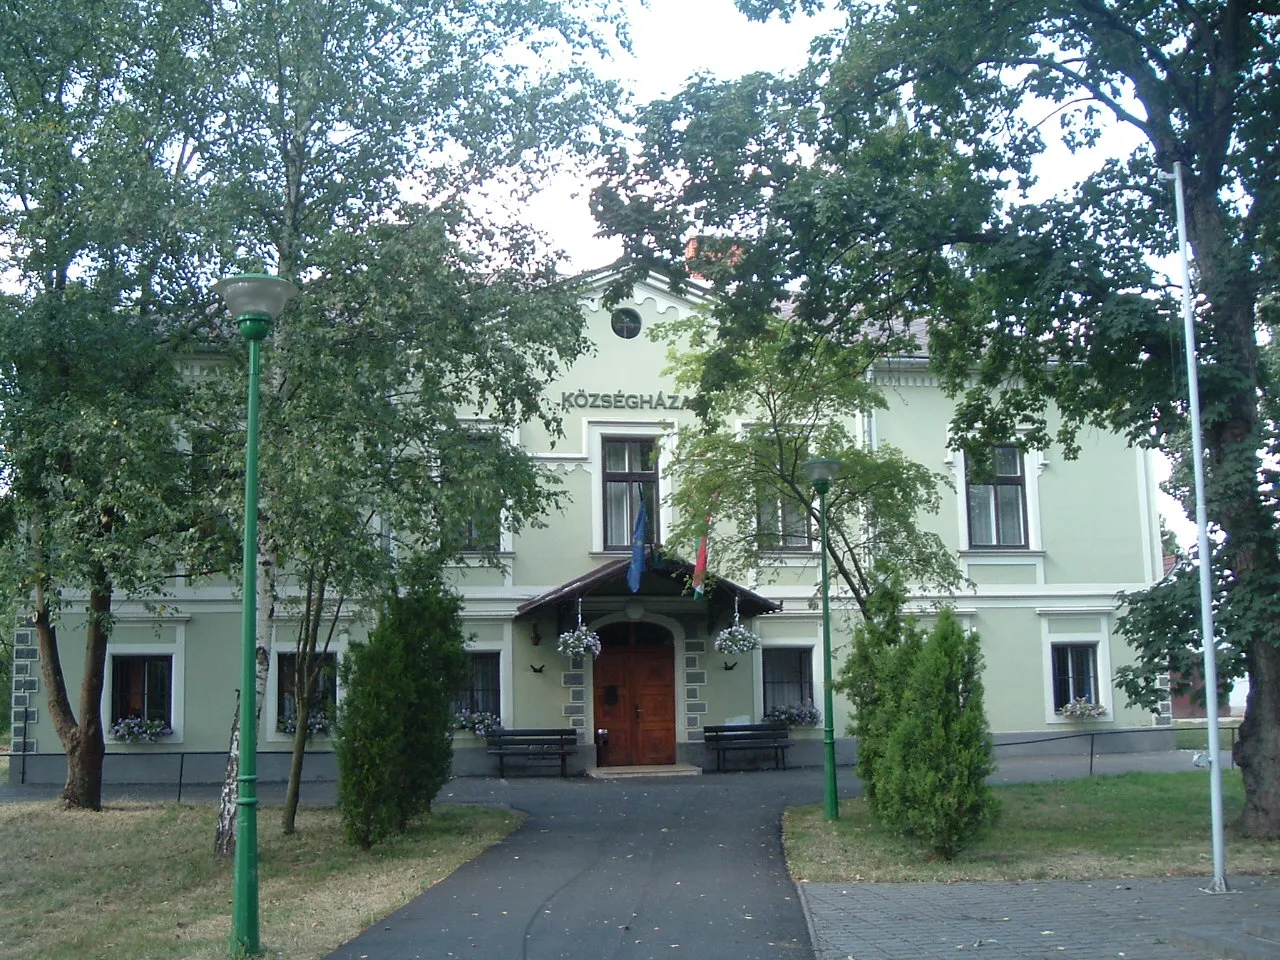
x=664 y=770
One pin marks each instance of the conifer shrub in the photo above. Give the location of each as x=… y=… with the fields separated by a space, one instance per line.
x=931 y=779
x=393 y=738
x=874 y=677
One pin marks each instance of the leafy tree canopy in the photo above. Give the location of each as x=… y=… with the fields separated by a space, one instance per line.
x=747 y=479
x=892 y=184
x=149 y=149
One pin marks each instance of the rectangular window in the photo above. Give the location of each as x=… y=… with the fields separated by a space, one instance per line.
x=481 y=521
x=788 y=676
x=630 y=475
x=782 y=524
x=323 y=704
x=482 y=695
x=1075 y=673
x=997 y=502
x=142 y=687
x=484 y=531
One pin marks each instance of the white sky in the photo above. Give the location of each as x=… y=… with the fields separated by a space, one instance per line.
x=673 y=40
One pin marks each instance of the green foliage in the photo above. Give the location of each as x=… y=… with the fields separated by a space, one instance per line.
x=186 y=141
x=1163 y=626
x=393 y=738
x=931 y=782
x=892 y=185
x=886 y=646
x=800 y=401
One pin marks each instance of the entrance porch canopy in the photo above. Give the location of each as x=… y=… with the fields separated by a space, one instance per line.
x=665 y=576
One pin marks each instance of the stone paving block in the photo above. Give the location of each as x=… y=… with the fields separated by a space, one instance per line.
x=1025 y=921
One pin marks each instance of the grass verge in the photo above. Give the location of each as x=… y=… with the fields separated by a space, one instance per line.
x=138 y=880
x=1194 y=735
x=1133 y=825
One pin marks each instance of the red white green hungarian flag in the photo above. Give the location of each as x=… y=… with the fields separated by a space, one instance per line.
x=700 y=565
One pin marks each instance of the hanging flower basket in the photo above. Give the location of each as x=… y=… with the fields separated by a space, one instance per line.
x=137 y=730
x=1082 y=709
x=736 y=639
x=579 y=642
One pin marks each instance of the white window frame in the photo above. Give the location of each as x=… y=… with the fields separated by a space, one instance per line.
x=1033 y=465
x=813 y=644
x=287 y=644
x=661 y=432
x=506 y=543
x=502 y=648
x=780 y=556
x=177 y=685
x=1099 y=639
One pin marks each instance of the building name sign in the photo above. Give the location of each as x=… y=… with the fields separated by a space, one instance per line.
x=583 y=400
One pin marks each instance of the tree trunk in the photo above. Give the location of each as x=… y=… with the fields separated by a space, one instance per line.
x=1257 y=752
x=307 y=665
x=288 y=820
x=224 y=840
x=224 y=834
x=81 y=741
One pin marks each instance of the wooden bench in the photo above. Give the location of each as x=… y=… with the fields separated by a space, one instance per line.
x=749 y=736
x=533 y=746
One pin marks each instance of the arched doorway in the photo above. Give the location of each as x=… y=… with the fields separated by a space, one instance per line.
x=635 y=693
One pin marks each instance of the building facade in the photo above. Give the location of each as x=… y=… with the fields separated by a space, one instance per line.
x=1046 y=543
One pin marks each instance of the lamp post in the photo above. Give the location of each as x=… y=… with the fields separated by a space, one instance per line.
x=255 y=300
x=821 y=472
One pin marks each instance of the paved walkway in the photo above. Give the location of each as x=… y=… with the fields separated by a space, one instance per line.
x=1133 y=919
x=693 y=867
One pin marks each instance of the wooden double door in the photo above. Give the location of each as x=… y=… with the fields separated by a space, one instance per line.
x=635 y=694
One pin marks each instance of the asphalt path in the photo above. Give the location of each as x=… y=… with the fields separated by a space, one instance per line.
x=678 y=867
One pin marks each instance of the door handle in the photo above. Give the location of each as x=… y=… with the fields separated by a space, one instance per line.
x=638 y=712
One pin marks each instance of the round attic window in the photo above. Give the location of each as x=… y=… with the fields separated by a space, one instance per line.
x=625 y=323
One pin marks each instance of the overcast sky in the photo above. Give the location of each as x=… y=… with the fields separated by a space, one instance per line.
x=673 y=40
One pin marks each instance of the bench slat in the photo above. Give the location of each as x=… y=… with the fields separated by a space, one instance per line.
x=532 y=745
x=749 y=736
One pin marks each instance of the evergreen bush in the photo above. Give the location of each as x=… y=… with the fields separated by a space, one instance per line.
x=885 y=647
x=931 y=780
x=393 y=737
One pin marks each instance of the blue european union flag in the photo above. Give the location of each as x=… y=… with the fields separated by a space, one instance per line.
x=637 y=548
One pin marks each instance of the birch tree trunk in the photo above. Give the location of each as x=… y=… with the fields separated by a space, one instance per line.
x=224 y=835
x=224 y=840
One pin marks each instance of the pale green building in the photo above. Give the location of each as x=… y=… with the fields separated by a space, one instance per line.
x=1047 y=544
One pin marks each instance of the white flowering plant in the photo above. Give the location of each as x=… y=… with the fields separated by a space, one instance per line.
x=318 y=723
x=578 y=642
x=137 y=730
x=795 y=715
x=477 y=721
x=736 y=639
x=1081 y=709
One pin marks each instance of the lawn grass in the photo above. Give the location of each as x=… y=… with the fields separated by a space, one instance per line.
x=1194 y=735
x=139 y=881
x=1132 y=825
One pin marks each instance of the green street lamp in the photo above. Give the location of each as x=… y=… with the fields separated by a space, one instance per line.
x=255 y=300
x=820 y=472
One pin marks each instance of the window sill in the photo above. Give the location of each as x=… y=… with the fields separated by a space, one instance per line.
x=475 y=558
x=1079 y=721
x=971 y=553
x=788 y=558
